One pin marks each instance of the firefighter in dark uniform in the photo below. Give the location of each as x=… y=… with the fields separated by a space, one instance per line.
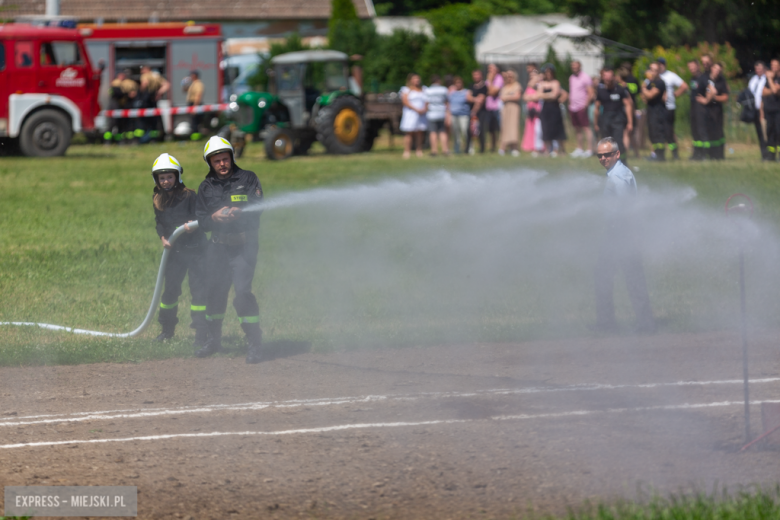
x=771 y=106
x=716 y=93
x=702 y=116
x=696 y=132
x=174 y=206
x=618 y=108
x=654 y=95
x=231 y=256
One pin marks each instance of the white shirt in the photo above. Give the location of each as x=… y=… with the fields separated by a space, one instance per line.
x=436 y=95
x=672 y=82
x=620 y=181
x=756 y=86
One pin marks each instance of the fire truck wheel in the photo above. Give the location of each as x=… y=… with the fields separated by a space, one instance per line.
x=46 y=133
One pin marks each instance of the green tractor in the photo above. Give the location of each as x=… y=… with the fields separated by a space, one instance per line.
x=314 y=99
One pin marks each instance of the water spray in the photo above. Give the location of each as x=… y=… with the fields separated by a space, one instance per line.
x=152 y=308
x=742 y=207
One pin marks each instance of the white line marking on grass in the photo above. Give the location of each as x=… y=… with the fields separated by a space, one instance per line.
x=341 y=427
x=152 y=412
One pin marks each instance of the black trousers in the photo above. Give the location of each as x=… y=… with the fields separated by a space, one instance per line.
x=619 y=251
x=669 y=137
x=613 y=125
x=715 y=135
x=181 y=263
x=232 y=265
x=762 y=142
x=656 y=125
x=696 y=133
x=484 y=122
x=772 y=134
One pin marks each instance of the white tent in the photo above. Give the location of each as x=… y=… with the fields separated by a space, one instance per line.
x=523 y=39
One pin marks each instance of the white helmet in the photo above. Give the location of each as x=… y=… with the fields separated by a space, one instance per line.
x=216 y=145
x=166 y=163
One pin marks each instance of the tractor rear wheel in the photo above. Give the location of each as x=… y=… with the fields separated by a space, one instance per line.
x=279 y=144
x=340 y=126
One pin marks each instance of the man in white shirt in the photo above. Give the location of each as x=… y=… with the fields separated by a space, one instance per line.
x=675 y=87
x=619 y=248
x=436 y=96
x=756 y=87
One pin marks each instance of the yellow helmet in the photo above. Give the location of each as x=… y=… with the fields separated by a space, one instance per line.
x=166 y=163
x=217 y=145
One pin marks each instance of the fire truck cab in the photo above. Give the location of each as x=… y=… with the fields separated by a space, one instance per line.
x=48 y=88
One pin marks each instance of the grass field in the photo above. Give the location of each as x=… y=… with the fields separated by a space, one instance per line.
x=79 y=248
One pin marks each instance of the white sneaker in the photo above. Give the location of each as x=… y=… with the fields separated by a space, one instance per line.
x=515 y=153
x=471 y=151
x=577 y=153
x=586 y=154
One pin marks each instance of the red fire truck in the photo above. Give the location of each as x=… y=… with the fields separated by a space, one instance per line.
x=48 y=88
x=172 y=49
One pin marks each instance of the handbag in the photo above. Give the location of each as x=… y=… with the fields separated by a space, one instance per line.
x=474 y=126
x=748 y=103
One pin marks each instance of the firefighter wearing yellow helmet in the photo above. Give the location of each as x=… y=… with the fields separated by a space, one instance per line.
x=231 y=255
x=174 y=206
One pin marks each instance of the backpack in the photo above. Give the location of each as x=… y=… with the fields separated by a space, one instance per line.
x=748 y=103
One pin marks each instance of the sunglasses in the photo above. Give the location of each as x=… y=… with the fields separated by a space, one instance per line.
x=602 y=155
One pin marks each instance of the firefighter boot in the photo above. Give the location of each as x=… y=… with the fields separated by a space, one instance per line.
x=214 y=343
x=167 y=332
x=168 y=320
x=201 y=337
x=254 y=337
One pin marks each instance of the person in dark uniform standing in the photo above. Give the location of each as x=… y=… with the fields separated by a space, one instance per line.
x=174 y=206
x=696 y=133
x=702 y=115
x=629 y=81
x=231 y=256
x=771 y=104
x=654 y=96
x=715 y=95
x=616 y=118
x=619 y=246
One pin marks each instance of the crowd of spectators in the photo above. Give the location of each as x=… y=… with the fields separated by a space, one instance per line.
x=597 y=107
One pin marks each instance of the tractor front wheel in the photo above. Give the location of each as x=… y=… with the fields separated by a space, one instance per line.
x=279 y=144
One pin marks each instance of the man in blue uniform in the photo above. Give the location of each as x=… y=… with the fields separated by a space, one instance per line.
x=619 y=247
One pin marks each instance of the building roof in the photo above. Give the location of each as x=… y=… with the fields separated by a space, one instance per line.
x=184 y=10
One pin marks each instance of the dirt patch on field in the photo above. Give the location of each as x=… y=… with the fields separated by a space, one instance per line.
x=470 y=431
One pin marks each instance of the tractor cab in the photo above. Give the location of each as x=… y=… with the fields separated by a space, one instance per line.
x=302 y=77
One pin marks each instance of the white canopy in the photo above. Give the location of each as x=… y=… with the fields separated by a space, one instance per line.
x=568 y=30
x=308 y=56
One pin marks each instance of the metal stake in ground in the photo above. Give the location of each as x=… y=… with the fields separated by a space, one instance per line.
x=740 y=206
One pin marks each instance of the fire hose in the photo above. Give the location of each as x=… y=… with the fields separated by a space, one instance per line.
x=152 y=308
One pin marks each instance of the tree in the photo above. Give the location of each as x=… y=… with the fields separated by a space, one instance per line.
x=751 y=27
x=388 y=63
